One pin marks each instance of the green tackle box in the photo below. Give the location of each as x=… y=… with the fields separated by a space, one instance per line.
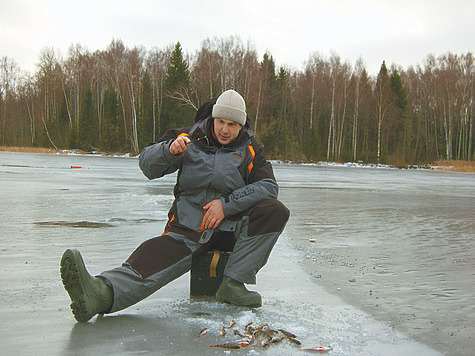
x=207 y=273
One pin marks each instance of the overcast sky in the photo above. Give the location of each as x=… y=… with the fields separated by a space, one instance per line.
x=402 y=32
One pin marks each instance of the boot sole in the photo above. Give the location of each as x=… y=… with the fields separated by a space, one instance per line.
x=71 y=263
x=224 y=299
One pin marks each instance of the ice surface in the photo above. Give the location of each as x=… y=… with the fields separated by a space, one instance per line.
x=43 y=199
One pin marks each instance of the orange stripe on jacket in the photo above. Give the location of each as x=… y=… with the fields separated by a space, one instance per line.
x=171 y=220
x=253 y=154
x=169 y=226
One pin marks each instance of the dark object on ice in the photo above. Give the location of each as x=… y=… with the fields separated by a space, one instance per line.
x=207 y=273
x=87 y=224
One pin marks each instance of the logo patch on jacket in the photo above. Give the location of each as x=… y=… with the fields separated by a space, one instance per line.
x=242 y=193
x=236 y=155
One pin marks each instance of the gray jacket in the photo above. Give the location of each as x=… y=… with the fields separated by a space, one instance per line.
x=238 y=174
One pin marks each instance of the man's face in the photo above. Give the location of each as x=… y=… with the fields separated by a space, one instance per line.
x=226 y=131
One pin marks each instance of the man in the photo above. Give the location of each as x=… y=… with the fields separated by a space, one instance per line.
x=225 y=195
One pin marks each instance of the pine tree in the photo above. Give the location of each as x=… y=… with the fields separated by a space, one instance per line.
x=398 y=89
x=87 y=123
x=277 y=140
x=110 y=124
x=400 y=119
x=177 y=85
x=267 y=84
x=178 y=74
x=384 y=102
x=145 y=124
x=60 y=126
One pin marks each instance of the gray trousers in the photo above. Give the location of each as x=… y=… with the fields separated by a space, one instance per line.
x=160 y=260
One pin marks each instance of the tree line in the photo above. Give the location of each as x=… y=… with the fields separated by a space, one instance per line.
x=121 y=99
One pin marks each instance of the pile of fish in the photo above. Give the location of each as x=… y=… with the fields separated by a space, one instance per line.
x=259 y=336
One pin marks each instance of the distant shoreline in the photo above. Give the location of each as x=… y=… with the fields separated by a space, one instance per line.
x=440 y=166
x=27 y=149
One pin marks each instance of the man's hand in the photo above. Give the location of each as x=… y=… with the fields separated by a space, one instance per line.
x=179 y=145
x=213 y=214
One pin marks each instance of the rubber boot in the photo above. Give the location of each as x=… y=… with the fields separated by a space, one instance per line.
x=234 y=292
x=89 y=295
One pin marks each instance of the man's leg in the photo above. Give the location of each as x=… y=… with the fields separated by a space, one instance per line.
x=256 y=235
x=152 y=265
x=155 y=263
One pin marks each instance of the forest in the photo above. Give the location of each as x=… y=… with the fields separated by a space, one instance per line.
x=121 y=99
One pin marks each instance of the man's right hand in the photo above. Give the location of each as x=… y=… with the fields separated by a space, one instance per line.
x=179 y=145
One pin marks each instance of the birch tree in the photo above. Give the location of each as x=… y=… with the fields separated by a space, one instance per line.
x=133 y=65
x=357 y=78
x=115 y=58
x=156 y=64
x=9 y=71
x=205 y=76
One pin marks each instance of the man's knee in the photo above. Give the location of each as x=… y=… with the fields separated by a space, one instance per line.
x=281 y=211
x=157 y=254
x=268 y=215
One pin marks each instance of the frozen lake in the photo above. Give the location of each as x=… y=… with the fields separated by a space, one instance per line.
x=391 y=270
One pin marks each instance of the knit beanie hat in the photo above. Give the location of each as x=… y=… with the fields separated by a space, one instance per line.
x=230 y=106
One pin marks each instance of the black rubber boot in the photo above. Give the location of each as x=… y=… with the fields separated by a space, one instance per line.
x=89 y=295
x=234 y=292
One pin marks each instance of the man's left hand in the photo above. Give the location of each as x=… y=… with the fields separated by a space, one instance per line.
x=213 y=214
